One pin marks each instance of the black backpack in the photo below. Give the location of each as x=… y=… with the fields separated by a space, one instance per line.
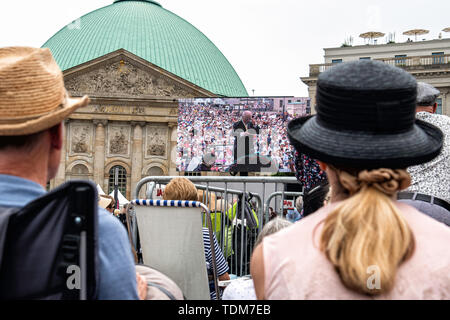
x=49 y=248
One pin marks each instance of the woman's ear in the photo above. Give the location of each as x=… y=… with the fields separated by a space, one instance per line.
x=323 y=165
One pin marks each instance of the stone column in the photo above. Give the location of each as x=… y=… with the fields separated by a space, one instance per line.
x=446 y=102
x=99 y=152
x=173 y=139
x=312 y=94
x=136 y=154
x=61 y=175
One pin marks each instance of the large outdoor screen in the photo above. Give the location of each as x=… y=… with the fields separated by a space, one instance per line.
x=237 y=134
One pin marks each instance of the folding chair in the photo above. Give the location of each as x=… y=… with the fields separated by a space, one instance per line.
x=50 y=242
x=171 y=236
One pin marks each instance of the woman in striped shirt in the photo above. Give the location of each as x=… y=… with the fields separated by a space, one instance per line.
x=184 y=189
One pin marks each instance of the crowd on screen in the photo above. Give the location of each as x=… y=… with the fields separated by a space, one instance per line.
x=208 y=129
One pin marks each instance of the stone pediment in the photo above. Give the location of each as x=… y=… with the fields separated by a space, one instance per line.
x=122 y=74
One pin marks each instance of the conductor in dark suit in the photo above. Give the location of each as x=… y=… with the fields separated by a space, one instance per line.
x=245 y=131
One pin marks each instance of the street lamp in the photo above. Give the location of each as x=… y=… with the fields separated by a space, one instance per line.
x=116 y=187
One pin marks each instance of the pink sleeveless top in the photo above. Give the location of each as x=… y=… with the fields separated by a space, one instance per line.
x=295 y=269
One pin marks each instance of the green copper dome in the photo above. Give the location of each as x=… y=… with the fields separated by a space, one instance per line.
x=153 y=33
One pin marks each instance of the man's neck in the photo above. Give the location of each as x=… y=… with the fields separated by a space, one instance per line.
x=23 y=166
x=424 y=109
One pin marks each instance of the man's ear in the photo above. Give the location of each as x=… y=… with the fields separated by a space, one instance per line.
x=434 y=107
x=323 y=165
x=56 y=136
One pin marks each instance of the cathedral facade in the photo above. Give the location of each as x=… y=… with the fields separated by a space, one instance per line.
x=134 y=59
x=130 y=124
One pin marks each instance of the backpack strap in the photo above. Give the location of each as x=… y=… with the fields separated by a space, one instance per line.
x=163 y=290
x=73 y=246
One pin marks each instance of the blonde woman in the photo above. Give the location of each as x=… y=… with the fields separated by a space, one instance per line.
x=364 y=244
x=184 y=189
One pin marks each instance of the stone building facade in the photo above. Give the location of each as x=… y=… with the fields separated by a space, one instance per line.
x=130 y=123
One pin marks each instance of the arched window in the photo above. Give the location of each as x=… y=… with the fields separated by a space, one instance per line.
x=122 y=180
x=79 y=172
x=155 y=172
x=80 y=169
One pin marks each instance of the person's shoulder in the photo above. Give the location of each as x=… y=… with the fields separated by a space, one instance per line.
x=111 y=230
x=431 y=257
x=442 y=118
x=424 y=226
x=116 y=263
x=439 y=120
x=300 y=232
x=106 y=221
x=431 y=236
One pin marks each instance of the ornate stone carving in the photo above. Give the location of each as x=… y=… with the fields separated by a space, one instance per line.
x=156 y=142
x=98 y=122
x=138 y=123
x=138 y=110
x=119 y=140
x=123 y=78
x=100 y=109
x=80 y=139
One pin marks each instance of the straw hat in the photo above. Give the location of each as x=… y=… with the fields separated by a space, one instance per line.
x=104 y=202
x=32 y=93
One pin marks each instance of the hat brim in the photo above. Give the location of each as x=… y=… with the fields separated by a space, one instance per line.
x=45 y=122
x=356 y=149
x=104 y=202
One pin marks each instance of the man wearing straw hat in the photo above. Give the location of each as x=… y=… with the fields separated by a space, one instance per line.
x=33 y=105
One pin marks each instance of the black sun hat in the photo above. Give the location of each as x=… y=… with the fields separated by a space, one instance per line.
x=366 y=119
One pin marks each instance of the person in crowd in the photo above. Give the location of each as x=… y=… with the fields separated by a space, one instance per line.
x=33 y=106
x=272 y=214
x=104 y=201
x=308 y=172
x=243 y=289
x=216 y=208
x=205 y=166
x=157 y=286
x=244 y=132
x=315 y=199
x=430 y=188
x=221 y=215
x=123 y=215
x=365 y=244
x=107 y=202
x=184 y=189
x=208 y=128
x=295 y=214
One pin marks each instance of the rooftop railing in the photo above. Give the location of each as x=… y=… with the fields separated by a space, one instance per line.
x=419 y=62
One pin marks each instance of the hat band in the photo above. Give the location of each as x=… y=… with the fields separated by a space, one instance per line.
x=33 y=117
x=385 y=111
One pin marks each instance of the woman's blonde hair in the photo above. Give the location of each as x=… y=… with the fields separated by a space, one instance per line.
x=180 y=189
x=367 y=230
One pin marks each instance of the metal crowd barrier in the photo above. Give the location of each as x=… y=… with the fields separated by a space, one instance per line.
x=238 y=251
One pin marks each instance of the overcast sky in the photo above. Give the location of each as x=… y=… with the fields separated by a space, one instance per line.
x=270 y=43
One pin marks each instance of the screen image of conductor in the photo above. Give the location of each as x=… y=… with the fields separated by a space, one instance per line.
x=237 y=134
